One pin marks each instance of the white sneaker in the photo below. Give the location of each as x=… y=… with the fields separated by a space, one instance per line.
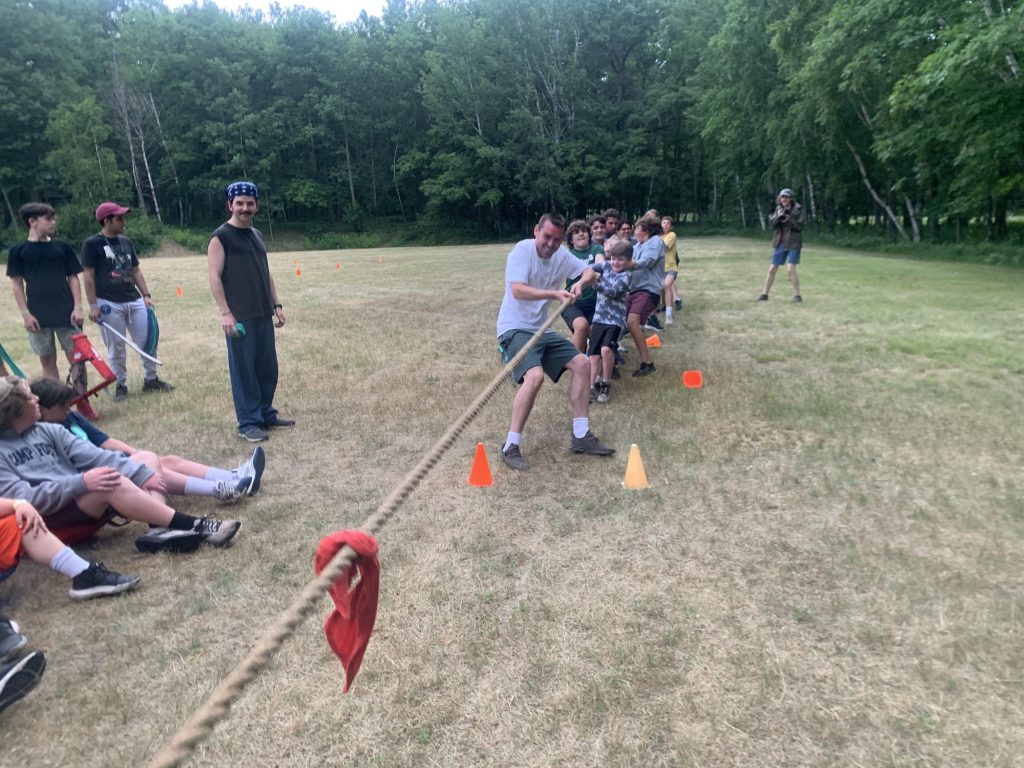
x=230 y=491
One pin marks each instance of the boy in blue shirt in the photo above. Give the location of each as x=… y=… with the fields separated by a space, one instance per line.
x=609 y=317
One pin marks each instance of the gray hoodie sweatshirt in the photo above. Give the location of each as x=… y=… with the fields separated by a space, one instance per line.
x=649 y=273
x=45 y=465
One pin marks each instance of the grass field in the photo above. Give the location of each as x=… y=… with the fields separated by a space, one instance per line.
x=826 y=571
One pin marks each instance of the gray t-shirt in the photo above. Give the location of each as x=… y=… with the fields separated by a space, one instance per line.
x=525 y=266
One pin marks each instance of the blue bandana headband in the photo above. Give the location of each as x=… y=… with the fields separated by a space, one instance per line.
x=237 y=188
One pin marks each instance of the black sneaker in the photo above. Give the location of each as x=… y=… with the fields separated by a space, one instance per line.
x=615 y=373
x=97 y=581
x=279 y=422
x=120 y=393
x=155 y=385
x=11 y=639
x=253 y=467
x=514 y=458
x=797 y=299
x=19 y=677
x=594 y=392
x=253 y=433
x=678 y=305
x=166 y=540
x=763 y=297
x=644 y=369
x=217 y=532
x=652 y=324
x=590 y=444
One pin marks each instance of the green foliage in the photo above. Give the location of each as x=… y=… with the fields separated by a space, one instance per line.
x=479 y=115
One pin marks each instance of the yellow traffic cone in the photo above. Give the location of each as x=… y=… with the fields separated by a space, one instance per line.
x=636 y=478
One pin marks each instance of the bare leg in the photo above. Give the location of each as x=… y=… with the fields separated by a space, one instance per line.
x=183 y=467
x=637 y=333
x=522 y=403
x=152 y=461
x=49 y=365
x=42 y=548
x=130 y=501
x=793 y=279
x=608 y=360
x=580 y=332
x=769 y=279
x=579 y=387
x=595 y=368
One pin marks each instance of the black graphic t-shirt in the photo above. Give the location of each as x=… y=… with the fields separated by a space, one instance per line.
x=114 y=260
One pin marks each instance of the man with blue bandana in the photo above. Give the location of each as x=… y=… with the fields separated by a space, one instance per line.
x=249 y=311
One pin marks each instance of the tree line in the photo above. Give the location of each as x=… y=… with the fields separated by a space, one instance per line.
x=905 y=115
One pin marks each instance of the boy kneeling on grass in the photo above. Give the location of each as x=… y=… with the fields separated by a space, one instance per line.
x=78 y=488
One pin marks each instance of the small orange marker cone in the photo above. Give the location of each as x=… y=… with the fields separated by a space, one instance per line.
x=480 y=474
x=298 y=273
x=179 y=291
x=654 y=342
x=295 y=262
x=636 y=478
x=693 y=379
x=337 y=265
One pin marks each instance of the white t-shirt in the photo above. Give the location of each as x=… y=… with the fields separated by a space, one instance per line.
x=525 y=266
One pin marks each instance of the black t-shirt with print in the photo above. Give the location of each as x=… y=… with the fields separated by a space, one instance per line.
x=114 y=260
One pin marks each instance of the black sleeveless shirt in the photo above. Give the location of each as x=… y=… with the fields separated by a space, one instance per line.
x=246 y=275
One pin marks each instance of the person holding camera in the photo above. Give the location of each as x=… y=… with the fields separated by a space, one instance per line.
x=788 y=223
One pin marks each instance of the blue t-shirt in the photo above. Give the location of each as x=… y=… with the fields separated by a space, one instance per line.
x=84 y=429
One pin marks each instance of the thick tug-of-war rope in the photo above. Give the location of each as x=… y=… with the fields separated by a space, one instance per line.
x=201 y=724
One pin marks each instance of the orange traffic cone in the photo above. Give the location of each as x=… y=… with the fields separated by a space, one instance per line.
x=654 y=342
x=693 y=379
x=337 y=265
x=480 y=474
x=179 y=291
x=298 y=273
x=636 y=478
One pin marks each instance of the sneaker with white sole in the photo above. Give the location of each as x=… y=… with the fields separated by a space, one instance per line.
x=253 y=433
x=590 y=444
x=605 y=393
x=217 y=532
x=230 y=491
x=513 y=458
x=167 y=540
x=11 y=639
x=19 y=677
x=253 y=467
x=98 y=581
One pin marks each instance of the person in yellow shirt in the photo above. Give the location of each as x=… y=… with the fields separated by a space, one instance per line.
x=671 y=295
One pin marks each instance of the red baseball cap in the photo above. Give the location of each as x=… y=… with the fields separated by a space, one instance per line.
x=110 y=209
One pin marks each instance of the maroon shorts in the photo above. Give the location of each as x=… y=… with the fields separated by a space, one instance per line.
x=71 y=525
x=642 y=303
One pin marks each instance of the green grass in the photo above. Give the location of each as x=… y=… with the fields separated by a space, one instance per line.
x=826 y=570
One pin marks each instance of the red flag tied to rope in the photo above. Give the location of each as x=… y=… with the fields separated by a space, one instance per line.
x=349 y=625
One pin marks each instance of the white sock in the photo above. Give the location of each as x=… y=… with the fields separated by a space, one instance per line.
x=513 y=439
x=68 y=563
x=216 y=473
x=668 y=311
x=580 y=427
x=194 y=486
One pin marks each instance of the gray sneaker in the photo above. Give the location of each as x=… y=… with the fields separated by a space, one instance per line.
x=230 y=491
x=253 y=433
x=514 y=458
x=605 y=393
x=19 y=677
x=797 y=299
x=590 y=444
x=217 y=532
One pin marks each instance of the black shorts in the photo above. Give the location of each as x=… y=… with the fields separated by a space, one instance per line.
x=602 y=335
x=584 y=309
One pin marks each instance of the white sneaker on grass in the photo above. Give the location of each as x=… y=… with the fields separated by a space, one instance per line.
x=230 y=491
x=217 y=532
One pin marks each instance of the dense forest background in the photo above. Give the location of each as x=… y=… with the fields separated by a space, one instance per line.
x=903 y=117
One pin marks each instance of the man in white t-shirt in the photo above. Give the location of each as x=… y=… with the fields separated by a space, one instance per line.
x=535 y=274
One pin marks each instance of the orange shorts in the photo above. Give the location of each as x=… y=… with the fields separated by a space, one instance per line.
x=10 y=544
